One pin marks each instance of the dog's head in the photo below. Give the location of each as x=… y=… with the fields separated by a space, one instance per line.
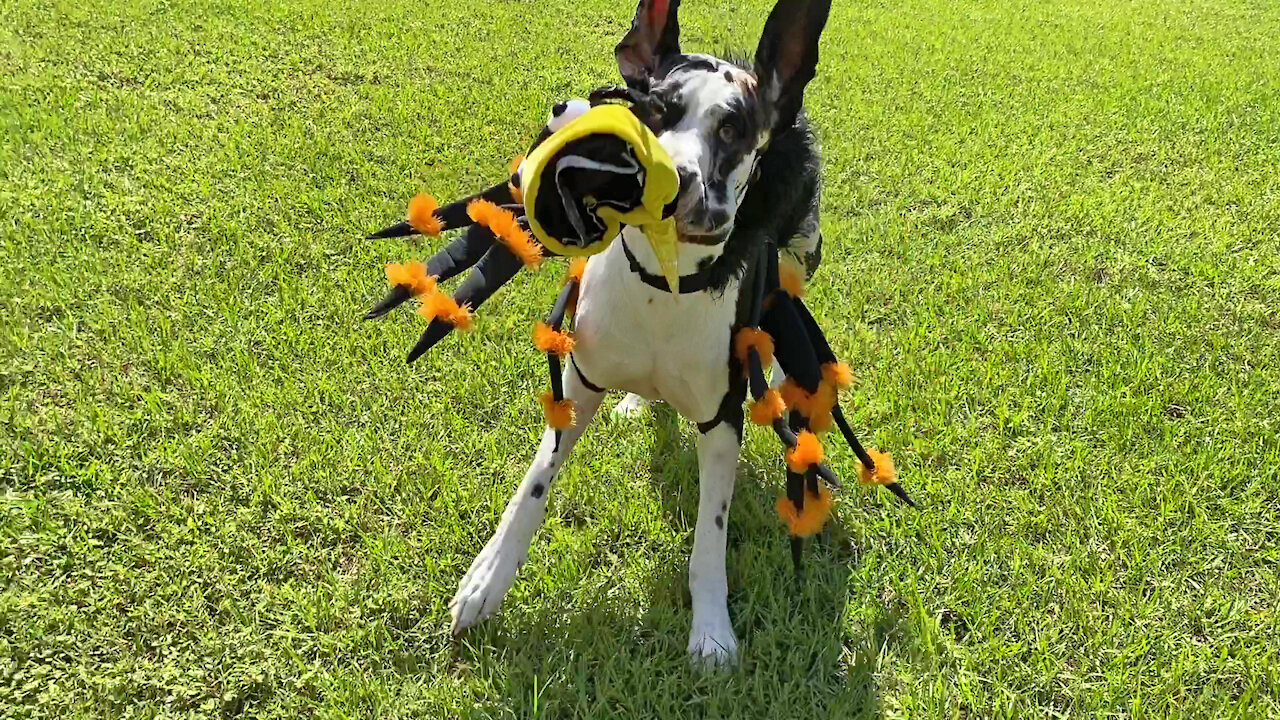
x=717 y=116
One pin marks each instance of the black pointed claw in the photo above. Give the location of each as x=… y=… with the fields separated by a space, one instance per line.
x=395 y=298
x=461 y=254
x=850 y=438
x=454 y=215
x=755 y=375
x=789 y=439
x=400 y=229
x=791 y=344
x=434 y=333
x=821 y=348
x=828 y=475
x=494 y=270
x=897 y=490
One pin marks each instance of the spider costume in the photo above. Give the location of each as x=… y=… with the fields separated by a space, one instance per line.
x=594 y=168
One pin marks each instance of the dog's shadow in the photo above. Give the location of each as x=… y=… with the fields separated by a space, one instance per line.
x=801 y=654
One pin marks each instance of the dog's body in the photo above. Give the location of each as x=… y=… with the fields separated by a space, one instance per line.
x=749 y=174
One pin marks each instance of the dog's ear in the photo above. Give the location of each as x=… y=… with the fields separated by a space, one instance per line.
x=654 y=33
x=788 y=58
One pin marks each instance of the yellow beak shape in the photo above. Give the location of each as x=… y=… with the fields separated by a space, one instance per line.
x=665 y=242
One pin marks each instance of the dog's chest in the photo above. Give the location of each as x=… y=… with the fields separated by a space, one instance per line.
x=636 y=338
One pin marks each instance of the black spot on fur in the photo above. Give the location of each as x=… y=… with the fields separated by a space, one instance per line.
x=720 y=521
x=559 y=109
x=538 y=490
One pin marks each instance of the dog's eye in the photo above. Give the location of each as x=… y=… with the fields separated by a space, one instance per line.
x=728 y=133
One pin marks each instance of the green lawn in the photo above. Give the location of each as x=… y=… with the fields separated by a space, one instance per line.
x=1052 y=260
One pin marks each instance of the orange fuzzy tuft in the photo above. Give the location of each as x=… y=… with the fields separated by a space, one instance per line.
x=439 y=305
x=503 y=224
x=806 y=453
x=515 y=164
x=412 y=275
x=884 y=473
x=559 y=413
x=809 y=521
x=749 y=337
x=548 y=340
x=821 y=422
x=791 y=279
x=768 y=408
x=792 y=394
x=577 y=267
x=837 y=374
x=815 y=406
x=422 y=215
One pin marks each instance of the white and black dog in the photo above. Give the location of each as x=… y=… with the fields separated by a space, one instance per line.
x=749 y=174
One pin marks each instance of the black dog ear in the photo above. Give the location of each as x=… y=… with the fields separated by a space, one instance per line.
x=787 y=58
x=654 y=33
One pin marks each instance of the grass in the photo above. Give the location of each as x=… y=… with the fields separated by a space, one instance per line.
x=1052 y=261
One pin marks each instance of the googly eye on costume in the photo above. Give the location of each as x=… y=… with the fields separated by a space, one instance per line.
x=566 y=112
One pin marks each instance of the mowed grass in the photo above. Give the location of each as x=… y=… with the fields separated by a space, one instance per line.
x=1052 y=261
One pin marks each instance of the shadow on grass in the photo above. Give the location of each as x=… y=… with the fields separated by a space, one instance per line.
x=800 y=657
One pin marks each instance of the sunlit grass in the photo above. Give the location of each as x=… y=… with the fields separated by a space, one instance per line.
x=1052 y=260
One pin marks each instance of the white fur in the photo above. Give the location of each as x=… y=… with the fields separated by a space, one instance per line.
x=649 y=342
x=712 y=637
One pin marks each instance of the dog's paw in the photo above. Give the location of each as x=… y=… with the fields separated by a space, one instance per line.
x=482 y=589
x=631 y=406
x=712 y=643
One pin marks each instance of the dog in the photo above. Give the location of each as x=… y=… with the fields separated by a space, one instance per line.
x=749 y=173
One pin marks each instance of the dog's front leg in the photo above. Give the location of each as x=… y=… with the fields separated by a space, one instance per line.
x=494 y=569
x=712 y=638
